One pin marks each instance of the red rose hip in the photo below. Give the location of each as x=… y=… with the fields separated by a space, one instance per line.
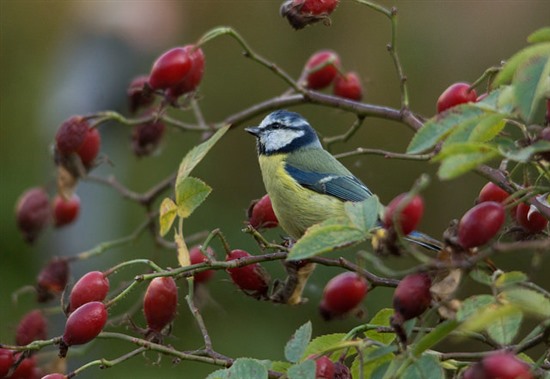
x=31 y=327
x=301 y=13
x=342 y=294
x=32 y=213
x=261 y=214
x=502 y=365
x=160 y=303
x=71 y=135
x=85 y=323
x=348 y=86
x=409 y=213
x=321 y=69
x=6 y=360
x=530 y=219
x=480 y=224
x=139 y=95
x=412 y=296
x=492 y=192
x=93 y=286
x=65 y=211
x=251 y=279
x=324 y=368
x=90 y=147
x=146 y=137
x=194 y=77
x=170 y=69
x=52 y=279
x=196 y=256
x=457 y=93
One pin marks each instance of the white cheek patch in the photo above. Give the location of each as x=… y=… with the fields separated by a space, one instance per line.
x=279 y=138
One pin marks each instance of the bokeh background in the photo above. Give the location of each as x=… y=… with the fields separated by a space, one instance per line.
x=59 y=58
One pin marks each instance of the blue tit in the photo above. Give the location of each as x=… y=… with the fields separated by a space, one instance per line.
x=306 y=184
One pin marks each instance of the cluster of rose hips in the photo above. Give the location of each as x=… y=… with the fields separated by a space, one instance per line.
x=301 y=13
x=324 y=68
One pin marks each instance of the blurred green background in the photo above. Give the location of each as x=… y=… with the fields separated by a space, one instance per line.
x=59 y=58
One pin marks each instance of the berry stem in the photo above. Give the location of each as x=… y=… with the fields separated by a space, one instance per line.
x=107 y=363
x=147 y=262
x=347 y=135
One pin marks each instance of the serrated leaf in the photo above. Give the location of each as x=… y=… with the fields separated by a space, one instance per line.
x=472 y=305
x=531 y=83
x=297 y=344
x=167 y=215
x=433 y=337
x=247 y=368
x=196 y=154
x=381 y=318
x=183 y=252
x=438 y=127
x=510 y=278
x=488 y=128
x=540 y=35
x=323 y=343
x=280 y=366
x=461 y=132
x=425 y=367
x=460 y=164
x=364 y=214
x=507 y=73
x=487 y=315
x=219 y=374
x=322 y=238
x=304 y=370
x=529 y=301
x=503 y=330
x=190 y=193
x=372 y=361
x=524 y=154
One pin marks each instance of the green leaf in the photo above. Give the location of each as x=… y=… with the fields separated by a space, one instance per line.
x=486 y=316
x=488 y=128
x=373 y=359
x=510 y=278
x=322 y=238
x=435 y=336
x=297 y=344
x=438 y=127
x=280 y=366
x=364 y=214
x=540 y=35
x=304 y=370
x=323 y=344
x=531 y=84
x=503 y=330
x=461 y=163
x=481 y=276
x=427 y=367
x=247 y=368
x=381 y=318
x=472 y=305
x=507 y=73
x=190 y=193
x=529 y=301
x=167 y=215
x=196 y=154
x=219 y=374
x=525 y=154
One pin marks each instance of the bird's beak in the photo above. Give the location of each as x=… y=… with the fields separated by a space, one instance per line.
x=255 y=131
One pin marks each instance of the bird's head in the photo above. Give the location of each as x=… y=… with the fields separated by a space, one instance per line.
x=283 y=132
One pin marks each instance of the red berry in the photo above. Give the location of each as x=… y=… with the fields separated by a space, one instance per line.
x=139 y=94
x=146 y=137
x=170 y=69
x=502 y=365
x=25 y=370
x=71 y=135
x=492 y=192
x=301 y=13
x=348 y=86
x=457 y=93
x=475 y=371
x=530 y=218
x=324 y=368
x=31 y=327
x=412 y=296
x=194 y=77
x=252 y=279
x=160 y=303
x=6 y=360
x=480 y=224
x=321 y=69
x=261 y=214
x=93 y=286
x=32 y=213
x=341 y=371
x=65 y=211
x=52 y=279
x=85 y=323
x=342 y=294
x=90 y=147
x=410 y=213
x=196 y=256
x=54 y=376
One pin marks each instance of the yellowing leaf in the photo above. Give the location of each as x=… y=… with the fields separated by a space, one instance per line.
x=190 y=193
x=183 y=252
x=168 y=212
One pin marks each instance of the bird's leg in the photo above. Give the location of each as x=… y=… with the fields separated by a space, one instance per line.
x=290 y=291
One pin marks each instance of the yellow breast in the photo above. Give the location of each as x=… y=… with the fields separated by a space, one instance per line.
x=296 y=207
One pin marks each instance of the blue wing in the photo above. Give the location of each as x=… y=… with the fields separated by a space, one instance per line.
x=344 y=187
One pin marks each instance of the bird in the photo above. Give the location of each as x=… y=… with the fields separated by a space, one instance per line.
x=306 y=184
